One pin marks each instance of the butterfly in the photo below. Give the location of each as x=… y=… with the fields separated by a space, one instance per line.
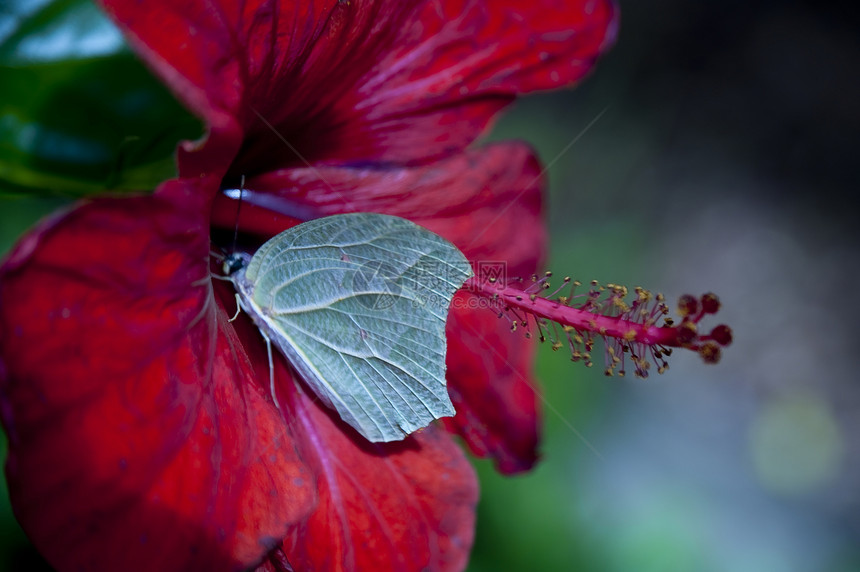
x=357 y=304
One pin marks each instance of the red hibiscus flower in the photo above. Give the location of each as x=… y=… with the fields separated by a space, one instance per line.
x=142 y=431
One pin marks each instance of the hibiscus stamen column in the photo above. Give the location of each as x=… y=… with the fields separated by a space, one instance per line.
x=630 y=330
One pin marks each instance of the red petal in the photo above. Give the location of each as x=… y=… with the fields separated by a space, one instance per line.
x=487 y=202
x=491 y=385
x=398 y=506
x=453 y=66
x=479 y=200
x=343 y=81
x=138 y=438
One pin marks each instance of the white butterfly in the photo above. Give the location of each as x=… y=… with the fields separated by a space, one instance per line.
x=357 y=303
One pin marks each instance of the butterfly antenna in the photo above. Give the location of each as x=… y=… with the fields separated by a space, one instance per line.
x=238 y=211
x=224 y=255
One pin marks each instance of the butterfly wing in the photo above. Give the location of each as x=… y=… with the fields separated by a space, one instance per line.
x=357 y=303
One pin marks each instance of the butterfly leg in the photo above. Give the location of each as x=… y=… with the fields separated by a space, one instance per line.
x=236 y=315
x=271 y=370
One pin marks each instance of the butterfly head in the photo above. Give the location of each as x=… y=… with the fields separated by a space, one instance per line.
x=235 y=262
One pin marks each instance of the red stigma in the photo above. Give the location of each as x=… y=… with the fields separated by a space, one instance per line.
x=710 y=303
x=688 y=305
x=722 y=334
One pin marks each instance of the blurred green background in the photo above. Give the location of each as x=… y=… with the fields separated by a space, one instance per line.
x=713 y=149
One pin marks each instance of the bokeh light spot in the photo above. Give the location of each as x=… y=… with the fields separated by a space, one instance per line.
x=796 y=444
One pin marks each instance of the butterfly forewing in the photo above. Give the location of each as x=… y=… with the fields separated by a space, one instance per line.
x=357 y=303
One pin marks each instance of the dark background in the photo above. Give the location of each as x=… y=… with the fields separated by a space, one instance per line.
x=715 y=148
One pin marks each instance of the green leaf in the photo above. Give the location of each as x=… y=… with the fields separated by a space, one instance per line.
x=357 y=303
x=17 y=214
x=80 y=114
